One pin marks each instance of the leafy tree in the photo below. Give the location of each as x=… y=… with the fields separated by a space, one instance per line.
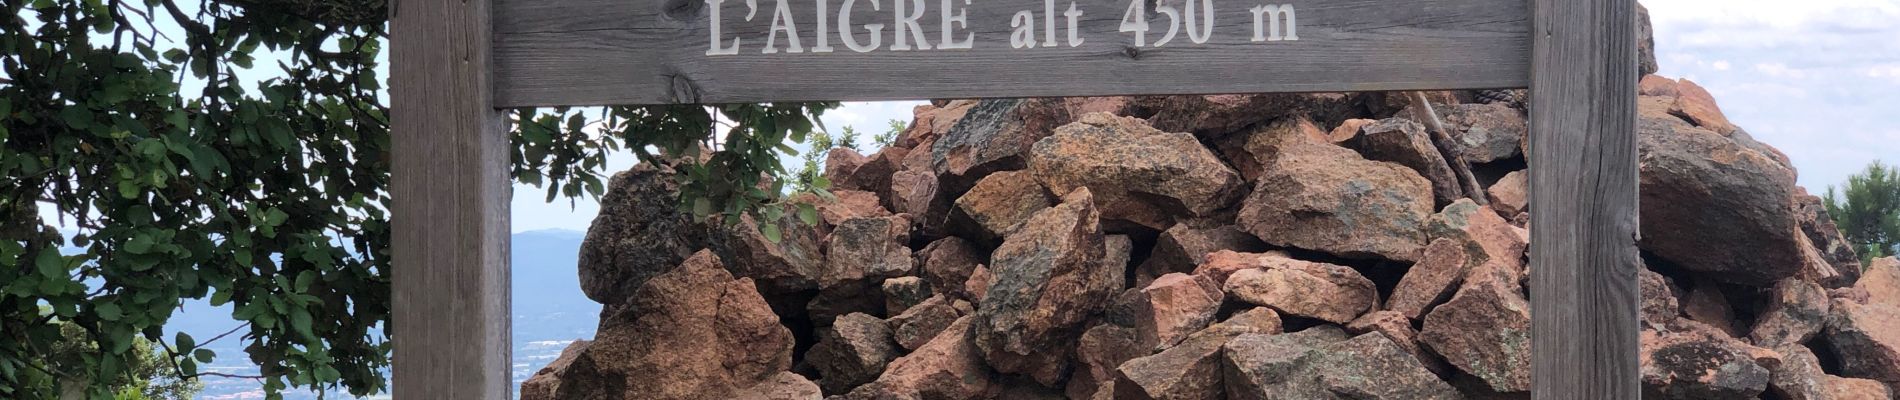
x=174 y=178
x=885 y=139
x=1867 y=209
x=811 y=176
x=148 y=376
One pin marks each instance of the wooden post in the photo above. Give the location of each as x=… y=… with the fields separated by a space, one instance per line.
x=1583 y=197
x=449 y=196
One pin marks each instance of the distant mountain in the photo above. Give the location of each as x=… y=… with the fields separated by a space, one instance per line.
x=549 y=312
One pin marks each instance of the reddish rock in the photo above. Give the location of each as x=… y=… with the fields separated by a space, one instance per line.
x=545 y=384
x=1183 y=248
x=1175 y=306
x=1696 y=105
x=1192 y=369
x=1398 y=327
x=1485 y=330
x=1214 y=116
x=840 y=162
x=851 y=352
x=1700 y=362
x=1657 y=85
x=1511 y=195
x=1827 y=241
x=1000 y=203
x=1487 y=238
x=1866 y=338
x=690 y=333
x=1347 y=130
x=868 y=248
x=1048 y=280
x=1137 y=173
x=993 y=135
x=1799 y=377
x=1881 y=281
x=948 y=263
x=1267 y=366
x=792 y=264
x=1250 y=152
x=948 y=367
x=1101 y=349
x=1319 y=363
x=844 y=205
x=854 y=296
x=639 y=233
x=1714 y=205
x=901 y=293
x=1404 y=142
x=784 y=386
x=979 y=283
x=1116 y=252
x=1309 y=289
x=1224 y=263
x=1796 y=310
x=1326 y=198
x=1659 y=305
x=1706 y=304
x=917 y=325
x=914 y=192
x=1430 y=281
x=875 y=174
x=929 y=122
x=1482 y=133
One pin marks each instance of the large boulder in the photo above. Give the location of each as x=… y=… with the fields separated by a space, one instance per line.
x=692 y=332
x=1192 y=369
x=1327 y=292
x=1699 y=362
x=1405 y=142
x=993 y=135
x=793 y=263
x=1487 y=237
x=545 y=384
x=1183 y=248
x=1174 y=306
x=1327 y=198
x=921 y=323
x=1796 y=311
x=948 y=263
x=1483 y=133
x=1319 y=363
x=1827 y=240
x=1432 y=280
x=784 y=386
x=1397 y=327
x=998 y=204
x=1485 y=330
x=1866 y=338
x=1881 y=281
x=1713 y=205
x=948 y=367
x=1511 y=194
x=640 y=233
x=1048 y=279
x=874 y=248
x=1137 y=173
x=1800 y=377
x=851 y=352
x=1101 y=349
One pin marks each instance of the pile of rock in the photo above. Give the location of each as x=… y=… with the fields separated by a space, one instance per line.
x=1205 y=247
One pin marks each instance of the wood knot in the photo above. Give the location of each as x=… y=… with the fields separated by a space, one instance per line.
x=684 y=10
x=685 y=91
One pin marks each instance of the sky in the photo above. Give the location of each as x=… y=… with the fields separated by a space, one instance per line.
x=1818 y=79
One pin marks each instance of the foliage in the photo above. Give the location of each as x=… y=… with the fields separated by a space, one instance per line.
x=1867 y=209
x=174 y=178
x=812 y=172
x=148 y=374
x=885 y=139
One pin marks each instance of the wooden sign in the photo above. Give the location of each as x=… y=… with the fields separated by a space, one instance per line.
x=720 y=51
x=456 y=63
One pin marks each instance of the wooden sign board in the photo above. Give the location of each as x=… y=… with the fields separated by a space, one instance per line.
x=663 y=51
x=457 y=63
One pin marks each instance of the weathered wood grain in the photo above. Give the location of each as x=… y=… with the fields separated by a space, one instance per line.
x=1583 y=187
x=590 y=52
x=449 y=205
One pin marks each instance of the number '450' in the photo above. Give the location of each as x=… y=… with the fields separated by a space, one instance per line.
x=1199 y=29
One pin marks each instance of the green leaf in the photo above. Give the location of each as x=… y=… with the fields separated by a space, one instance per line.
x=771 y=232
x=300 y=322
x=808 y=213
x=184 y=342
x=204 y=355
x=107 y=311
x=51 y=264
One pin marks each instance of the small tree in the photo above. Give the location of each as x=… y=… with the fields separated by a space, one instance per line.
x=1867 y=209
